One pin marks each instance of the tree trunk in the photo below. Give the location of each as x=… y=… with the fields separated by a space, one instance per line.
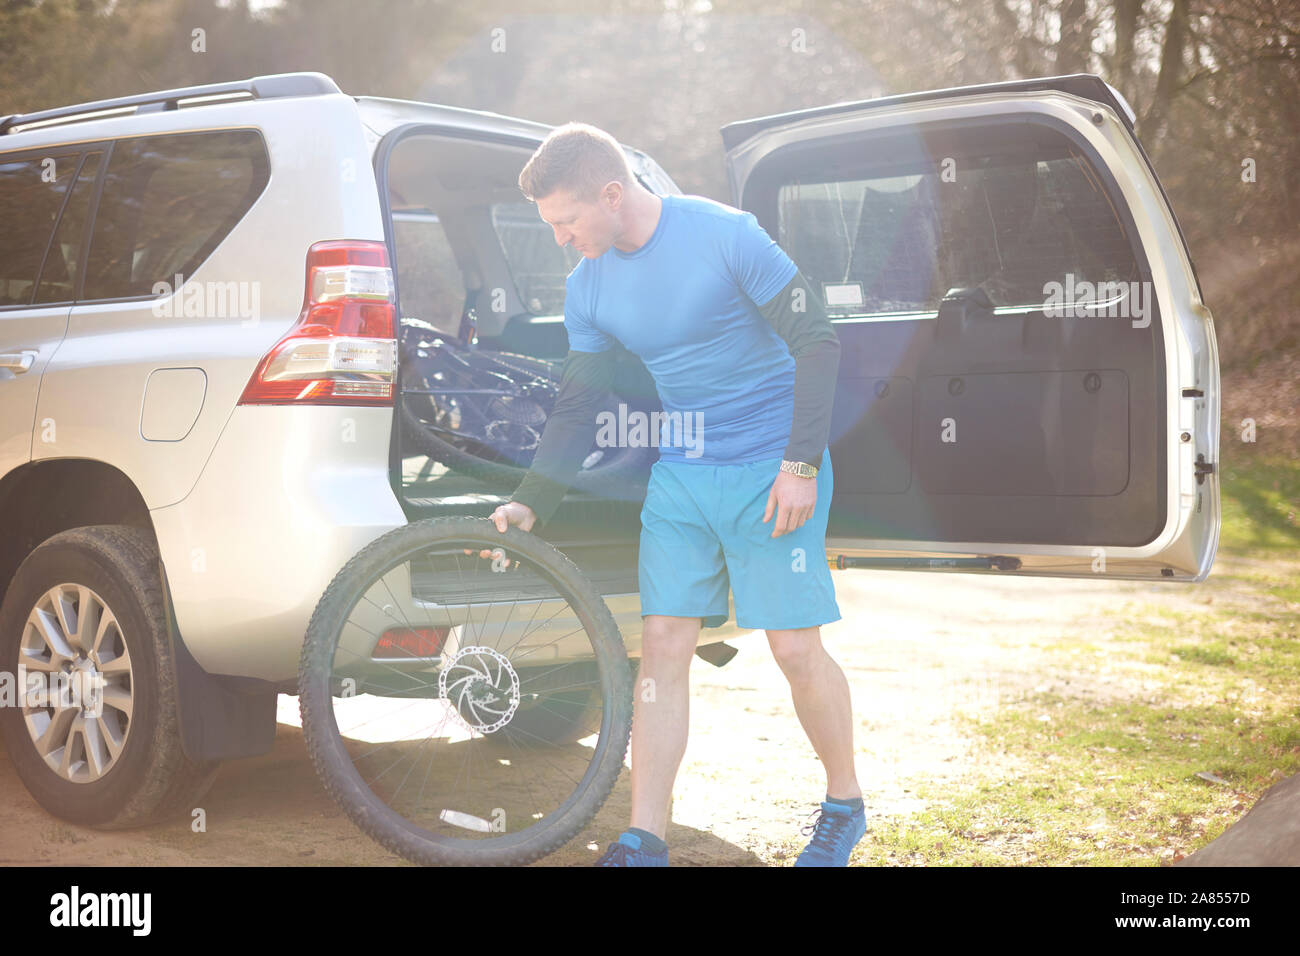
x=1126 y=17
x=1171 y=62
x=1076 y=38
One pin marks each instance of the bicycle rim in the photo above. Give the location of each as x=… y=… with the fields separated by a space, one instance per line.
x=463 y=709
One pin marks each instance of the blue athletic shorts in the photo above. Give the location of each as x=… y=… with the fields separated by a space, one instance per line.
x=702 y=529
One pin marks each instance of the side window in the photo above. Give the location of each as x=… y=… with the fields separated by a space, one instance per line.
x=1010 y=224
x=167 y=202
x=63 y=261
x=32 y=191
x=428 y=276
x=538 y=266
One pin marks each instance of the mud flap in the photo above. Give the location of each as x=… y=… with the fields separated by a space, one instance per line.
x=221 y=717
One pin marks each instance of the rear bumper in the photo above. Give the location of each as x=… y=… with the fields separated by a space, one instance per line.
x=287 y=497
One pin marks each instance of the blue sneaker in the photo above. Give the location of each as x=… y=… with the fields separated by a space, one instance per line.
x=836 y=831
x=626 y=851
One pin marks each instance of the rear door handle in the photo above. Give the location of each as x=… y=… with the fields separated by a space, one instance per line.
x=18 y=361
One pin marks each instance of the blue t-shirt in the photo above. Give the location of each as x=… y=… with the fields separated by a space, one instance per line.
x=685 y=304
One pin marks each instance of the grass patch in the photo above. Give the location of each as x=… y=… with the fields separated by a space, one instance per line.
x=1204 y=655
x=1260 y=505
x=1098 y=785
x=1210 y=687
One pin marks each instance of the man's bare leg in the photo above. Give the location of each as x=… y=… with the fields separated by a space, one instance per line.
x=821 y=700
x=661 y=716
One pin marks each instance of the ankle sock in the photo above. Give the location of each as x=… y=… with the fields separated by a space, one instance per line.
x=854 y=804
x=650 y=842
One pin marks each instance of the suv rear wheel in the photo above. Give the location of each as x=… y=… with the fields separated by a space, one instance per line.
x=95 y=733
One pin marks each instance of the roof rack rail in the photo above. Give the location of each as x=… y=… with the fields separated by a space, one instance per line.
x=258 y=87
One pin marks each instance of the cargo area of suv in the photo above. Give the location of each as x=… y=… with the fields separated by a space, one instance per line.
x=472 y=260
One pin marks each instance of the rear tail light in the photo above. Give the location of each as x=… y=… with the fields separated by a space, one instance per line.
x=404 y=642
x=342 y=350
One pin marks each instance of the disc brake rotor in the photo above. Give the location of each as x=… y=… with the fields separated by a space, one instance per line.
x=483 y=687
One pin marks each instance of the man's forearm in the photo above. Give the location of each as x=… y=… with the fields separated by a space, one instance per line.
x=798 y=317
x=584 y=383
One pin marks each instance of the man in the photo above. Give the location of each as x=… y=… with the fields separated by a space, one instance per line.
x=703 y=295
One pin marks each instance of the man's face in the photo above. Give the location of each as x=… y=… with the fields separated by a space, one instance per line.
x=590 y=226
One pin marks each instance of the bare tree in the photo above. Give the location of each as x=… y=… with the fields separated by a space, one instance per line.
x=1075 y=41
x=1171 y=66
x=1126 y=20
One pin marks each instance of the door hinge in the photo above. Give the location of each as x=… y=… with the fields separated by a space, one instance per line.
x=1202 y=468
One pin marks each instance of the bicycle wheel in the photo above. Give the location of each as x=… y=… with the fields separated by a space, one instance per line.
x=465 y=710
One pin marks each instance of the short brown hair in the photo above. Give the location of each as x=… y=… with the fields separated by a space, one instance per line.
x=578 y=157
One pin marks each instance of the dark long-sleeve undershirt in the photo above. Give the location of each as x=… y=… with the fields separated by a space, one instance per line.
x=797 y=316
x=585 y=382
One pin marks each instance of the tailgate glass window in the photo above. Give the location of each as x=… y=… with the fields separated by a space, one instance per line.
x=896 y=240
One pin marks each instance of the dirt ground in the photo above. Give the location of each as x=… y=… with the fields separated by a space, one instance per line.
x=918 y=649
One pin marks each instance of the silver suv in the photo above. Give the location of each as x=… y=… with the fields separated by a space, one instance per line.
x=200 y=293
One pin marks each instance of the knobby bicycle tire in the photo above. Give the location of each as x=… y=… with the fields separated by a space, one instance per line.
x=329 y=753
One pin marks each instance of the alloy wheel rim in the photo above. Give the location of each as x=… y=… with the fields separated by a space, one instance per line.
x=76 y=678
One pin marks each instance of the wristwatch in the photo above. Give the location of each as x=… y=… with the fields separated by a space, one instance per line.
x=800 y=468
